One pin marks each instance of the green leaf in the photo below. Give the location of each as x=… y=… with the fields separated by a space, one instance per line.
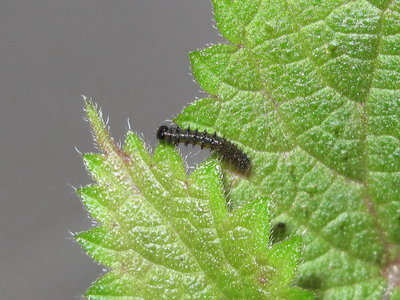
x=310 y=90
x=166 y=235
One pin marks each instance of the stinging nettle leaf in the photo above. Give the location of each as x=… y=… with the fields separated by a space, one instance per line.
x=311 y=91
x=166 y=235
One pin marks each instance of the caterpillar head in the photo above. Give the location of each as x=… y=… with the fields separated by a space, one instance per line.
x=161 y=132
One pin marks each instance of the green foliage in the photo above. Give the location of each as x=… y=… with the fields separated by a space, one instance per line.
x=166 y=235
x=310 y=89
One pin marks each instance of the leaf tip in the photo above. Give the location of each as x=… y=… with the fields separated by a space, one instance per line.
x=100 y=131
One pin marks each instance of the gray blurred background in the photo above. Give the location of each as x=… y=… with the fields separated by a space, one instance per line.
x=130 y=56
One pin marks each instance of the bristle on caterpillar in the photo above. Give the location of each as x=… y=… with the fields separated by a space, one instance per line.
x=228 y=150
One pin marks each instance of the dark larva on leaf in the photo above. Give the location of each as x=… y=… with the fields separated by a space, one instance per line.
x=228 y=150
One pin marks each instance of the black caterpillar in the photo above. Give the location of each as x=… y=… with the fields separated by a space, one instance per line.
x=229 y=151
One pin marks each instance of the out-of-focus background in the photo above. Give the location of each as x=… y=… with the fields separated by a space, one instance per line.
x=130 y=56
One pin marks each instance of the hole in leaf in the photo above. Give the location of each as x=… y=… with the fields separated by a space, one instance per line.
x=279 y=232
